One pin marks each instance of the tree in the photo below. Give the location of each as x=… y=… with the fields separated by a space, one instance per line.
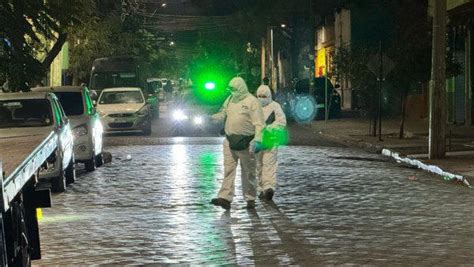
x=351 y=62
x=408 y=46
x=410 y=50
x=254 y=18
x=110 y=31
x=36 y=31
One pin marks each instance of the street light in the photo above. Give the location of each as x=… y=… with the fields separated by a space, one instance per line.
x=164 y=5
x=272 y=64
x=272 y=59
x=172 y=43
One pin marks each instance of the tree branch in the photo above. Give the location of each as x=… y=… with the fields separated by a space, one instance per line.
x=55 y=50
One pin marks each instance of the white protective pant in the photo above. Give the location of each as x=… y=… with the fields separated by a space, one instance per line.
x=247 y=166
x=267 y=164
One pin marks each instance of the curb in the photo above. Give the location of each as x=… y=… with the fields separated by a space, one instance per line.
x=369 y=147
x=377 y=149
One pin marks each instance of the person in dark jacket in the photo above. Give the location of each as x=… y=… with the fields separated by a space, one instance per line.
x=168 y=90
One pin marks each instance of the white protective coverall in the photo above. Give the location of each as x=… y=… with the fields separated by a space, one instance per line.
x=267 y=161
x=243 y=116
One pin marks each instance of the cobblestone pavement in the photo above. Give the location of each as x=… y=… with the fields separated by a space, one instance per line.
x=333 y=206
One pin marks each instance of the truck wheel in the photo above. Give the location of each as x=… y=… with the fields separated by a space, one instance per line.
x=99 y=161
x=91 y=164
x=23 y=256
x=71 y=172
x=58 y=184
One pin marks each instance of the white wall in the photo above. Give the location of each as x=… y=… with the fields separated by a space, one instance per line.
x=342 y=28
x=450 y=4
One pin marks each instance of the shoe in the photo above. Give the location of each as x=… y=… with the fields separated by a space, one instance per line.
x=221 y=202
x=269 y=194
x=251 y=204
x=261 y=196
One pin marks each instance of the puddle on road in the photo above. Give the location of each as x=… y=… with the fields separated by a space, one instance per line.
x=155 y=209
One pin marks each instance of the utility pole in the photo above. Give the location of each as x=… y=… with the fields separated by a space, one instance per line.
x=381 y=79
x=437 y=133
x=263 y=60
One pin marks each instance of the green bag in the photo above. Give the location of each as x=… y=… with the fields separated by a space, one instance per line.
x=274 y=138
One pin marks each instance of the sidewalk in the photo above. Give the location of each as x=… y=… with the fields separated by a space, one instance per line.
x=413 y=149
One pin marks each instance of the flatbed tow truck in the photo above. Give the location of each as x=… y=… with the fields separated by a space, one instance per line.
x=24 y=152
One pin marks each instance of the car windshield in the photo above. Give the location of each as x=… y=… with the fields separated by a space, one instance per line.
x=124 y=97
x=25 y=113
x=72 y=102
x=113 y=79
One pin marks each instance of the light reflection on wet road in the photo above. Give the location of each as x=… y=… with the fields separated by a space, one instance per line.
x=154 y=209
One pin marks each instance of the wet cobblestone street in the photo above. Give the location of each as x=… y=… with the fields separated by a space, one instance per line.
x=332 y=206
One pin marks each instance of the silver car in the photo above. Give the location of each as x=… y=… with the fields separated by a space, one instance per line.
x=85 y=123
x=35 y=114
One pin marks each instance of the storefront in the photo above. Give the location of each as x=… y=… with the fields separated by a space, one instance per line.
x=460 y=44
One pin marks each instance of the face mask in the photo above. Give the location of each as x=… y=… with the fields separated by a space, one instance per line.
x=265 y=101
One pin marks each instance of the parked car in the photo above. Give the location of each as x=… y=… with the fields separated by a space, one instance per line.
x=85 y=123
x=124 y=109
x=299 y=99
x=333 y=98
x=35 y=114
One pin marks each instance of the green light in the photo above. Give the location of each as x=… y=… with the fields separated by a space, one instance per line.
x=211 y=82
x=210 y=86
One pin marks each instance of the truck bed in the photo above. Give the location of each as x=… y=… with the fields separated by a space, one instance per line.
x=14 y=150
x=21 y=156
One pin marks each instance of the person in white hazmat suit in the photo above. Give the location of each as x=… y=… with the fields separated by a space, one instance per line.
x=267 y=161
x=243 y=129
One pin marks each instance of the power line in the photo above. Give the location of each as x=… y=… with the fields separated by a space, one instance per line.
x=169 y=23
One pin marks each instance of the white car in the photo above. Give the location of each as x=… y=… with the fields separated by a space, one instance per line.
x=85 y=123
x=124 y=109
x=36 y=114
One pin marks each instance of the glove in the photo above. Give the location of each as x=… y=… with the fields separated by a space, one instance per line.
x=257 y=147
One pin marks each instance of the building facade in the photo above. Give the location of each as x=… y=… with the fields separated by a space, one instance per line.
x=460 y=45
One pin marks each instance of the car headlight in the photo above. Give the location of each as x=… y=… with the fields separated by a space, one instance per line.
x=143 y=111
x=198 y=120
x=80 y=130
x=179 y=115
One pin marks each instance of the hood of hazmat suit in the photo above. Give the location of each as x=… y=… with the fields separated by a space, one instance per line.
x=239 y=89
x=264 y=95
